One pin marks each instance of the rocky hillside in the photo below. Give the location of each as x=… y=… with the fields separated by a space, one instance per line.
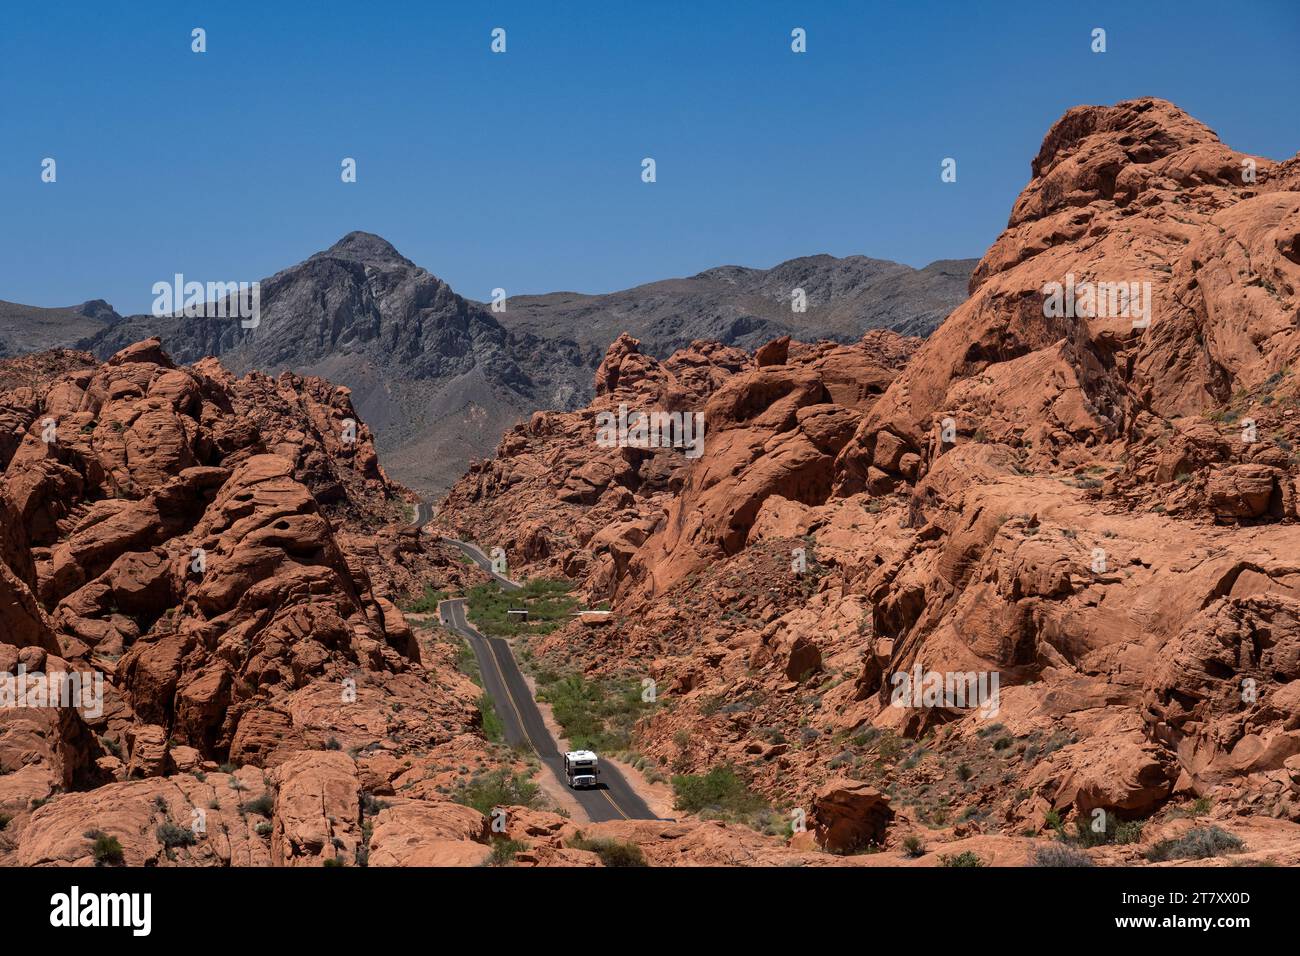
x=734 y=305
x=218 y=561
x=440 y=377
x=28 y=328
x=431 y=372
x=1098 y=512
x=222 y=556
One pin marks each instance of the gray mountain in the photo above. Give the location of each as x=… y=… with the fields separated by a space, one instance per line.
x=747 y=307
x=30 y=328
x=435 y=375
x=440 y=377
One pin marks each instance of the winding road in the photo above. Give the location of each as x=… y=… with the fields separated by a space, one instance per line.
x=612 y=798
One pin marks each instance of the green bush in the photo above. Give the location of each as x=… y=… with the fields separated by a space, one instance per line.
x=503 y=851
x=496 y=789
x=611 y=852
x=913 y=846
x=1053 y=819
x=721 y=792
x=107 y=850
x=1085 y=836
x=426 y=603
x=963 y=859
x=263 y=806
x=1130 y=831
x=493 y=727
x=547 y=601
x=371 y=805
x=170 y=835
x=595 y=715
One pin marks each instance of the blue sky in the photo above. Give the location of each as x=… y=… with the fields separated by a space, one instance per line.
x=522 y=170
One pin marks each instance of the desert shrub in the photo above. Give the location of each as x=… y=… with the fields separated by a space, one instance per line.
x=170 y=835
x=913 y=846
x=426 y=603
x=1198 y=844
x=371 y=805
x=595 y=714
x=1086 y=836
x=721 y=791
x=1058 y=854
x=263 y=806
x=547 y=601
x=1130 y=831
x=494 y=727
x=107 y=850
x=1053 y=819
x=503 y=851
x=611 y=852
x=496 y=789
x=964 y=859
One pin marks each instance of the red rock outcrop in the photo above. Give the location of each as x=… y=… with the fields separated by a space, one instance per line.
x=1037 y=572
x=174 y=533
x=1096 y=511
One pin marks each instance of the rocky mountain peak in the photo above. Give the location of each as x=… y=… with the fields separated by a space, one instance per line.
x=366 y=248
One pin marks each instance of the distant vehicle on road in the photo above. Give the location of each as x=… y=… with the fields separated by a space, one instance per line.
x=581 y=768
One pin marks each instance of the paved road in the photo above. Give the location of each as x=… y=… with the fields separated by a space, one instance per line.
x=612 y=799
x=475 y=554
x=423 y=513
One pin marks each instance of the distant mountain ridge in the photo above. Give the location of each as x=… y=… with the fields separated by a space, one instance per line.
x=31 y=328
x=440 y=377
x=745 y=307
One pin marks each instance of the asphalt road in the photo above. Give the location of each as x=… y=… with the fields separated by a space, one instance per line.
x=423 y=513
x=475 y=554
x=612 y=798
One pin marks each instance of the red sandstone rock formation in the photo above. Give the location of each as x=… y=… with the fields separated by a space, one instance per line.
x=177 y=532
x=1102 y=513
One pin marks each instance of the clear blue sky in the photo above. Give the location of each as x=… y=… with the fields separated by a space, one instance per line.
x=522 y=170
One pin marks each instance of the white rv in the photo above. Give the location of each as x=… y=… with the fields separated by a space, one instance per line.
x=580 y=768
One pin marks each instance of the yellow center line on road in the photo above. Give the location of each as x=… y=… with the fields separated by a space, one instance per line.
x=510 y=697
x=605 y=794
